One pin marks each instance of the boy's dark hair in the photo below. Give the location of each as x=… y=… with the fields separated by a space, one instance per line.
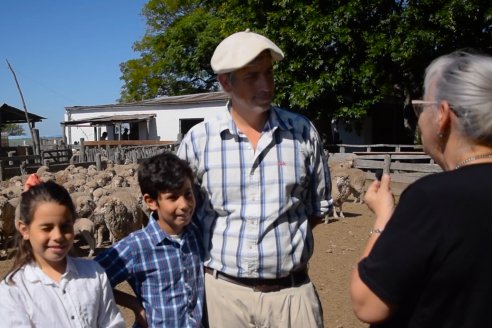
x=165 y=172
x=45 y=192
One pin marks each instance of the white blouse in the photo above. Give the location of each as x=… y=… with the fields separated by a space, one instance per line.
x=82 y=298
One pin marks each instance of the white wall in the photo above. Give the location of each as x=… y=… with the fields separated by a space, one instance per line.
x=165 y=126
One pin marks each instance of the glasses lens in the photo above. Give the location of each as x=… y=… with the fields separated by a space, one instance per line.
x=419 y=106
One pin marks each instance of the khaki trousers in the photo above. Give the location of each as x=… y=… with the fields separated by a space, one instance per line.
x=233 y=306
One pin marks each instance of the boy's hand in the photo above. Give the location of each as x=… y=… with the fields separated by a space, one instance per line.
x=130 y=301
x=140 y=318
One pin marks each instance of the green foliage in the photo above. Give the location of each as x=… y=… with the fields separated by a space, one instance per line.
x=343 y=58
x=13 y=129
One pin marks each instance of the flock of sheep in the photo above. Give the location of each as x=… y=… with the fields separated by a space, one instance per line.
x=109 y=204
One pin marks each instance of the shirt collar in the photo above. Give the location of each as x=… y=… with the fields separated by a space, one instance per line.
x=156 y=234
x=33 y=272
x=274 y=121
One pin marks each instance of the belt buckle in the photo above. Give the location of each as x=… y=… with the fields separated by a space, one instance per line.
x=264 y=288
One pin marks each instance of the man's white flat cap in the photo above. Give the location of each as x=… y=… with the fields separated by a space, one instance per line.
x=239 y=49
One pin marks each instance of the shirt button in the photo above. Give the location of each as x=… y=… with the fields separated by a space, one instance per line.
x=72 y=317
x=64 y=291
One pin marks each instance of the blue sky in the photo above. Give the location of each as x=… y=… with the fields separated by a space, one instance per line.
x=65 y=53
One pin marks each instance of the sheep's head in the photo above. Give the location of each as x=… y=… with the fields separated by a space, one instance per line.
x=85 y=207
x=110 y=206
x=118 y=182
x=104 y=180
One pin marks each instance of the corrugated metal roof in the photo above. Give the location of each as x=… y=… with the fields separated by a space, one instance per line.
x=108 y=120
x=10 y=114
x=165 y=100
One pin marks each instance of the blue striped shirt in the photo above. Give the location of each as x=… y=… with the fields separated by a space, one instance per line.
x=166 y=275
x=254 y=205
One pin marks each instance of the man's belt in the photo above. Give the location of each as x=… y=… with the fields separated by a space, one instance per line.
x=294 y=279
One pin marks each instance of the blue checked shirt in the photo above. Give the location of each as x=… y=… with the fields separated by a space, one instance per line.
x=254 y=206
x=166 y=275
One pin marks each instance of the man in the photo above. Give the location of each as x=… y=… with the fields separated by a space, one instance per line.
x=263 y=183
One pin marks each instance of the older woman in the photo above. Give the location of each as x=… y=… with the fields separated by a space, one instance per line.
x=428 y=262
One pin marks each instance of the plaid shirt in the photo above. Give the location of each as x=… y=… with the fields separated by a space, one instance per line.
x=254 y=205
x=166 y=275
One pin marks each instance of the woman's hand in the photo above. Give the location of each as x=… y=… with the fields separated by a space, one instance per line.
x=380 y=200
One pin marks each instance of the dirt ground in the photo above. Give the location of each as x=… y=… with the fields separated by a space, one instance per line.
x=338 y=246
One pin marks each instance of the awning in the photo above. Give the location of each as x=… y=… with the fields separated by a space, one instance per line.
x=9 y=114
x=110 y=120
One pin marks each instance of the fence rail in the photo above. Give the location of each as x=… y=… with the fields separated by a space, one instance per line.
x=85 y=154
x=405 y=163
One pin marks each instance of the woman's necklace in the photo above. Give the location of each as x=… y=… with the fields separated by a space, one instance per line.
x=471 y=159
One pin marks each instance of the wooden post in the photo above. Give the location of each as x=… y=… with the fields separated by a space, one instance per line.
x=11 y=154
x=22 y=168
x=82 y=151
x=147 y=121
x=1 y=170
x=64 y=134
x=387 y=164
x=117 y=157
x=36 y=143
x=27 y=154
x=98 y=162
x=46 y=162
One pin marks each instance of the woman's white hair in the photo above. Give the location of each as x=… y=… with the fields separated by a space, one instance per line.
x=464 y=80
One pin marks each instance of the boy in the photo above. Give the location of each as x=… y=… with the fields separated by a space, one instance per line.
x=163 y=261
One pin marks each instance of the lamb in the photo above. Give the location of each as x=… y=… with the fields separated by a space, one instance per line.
x=357 y=177
x=340 y=193
x=11 y=192
x=85 y=228
x=121 y=213
x=84 y=204
x=357 y=183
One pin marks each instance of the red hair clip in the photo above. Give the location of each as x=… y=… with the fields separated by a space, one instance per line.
x=32 y=180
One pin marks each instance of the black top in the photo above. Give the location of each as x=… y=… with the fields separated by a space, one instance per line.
x=434 y=258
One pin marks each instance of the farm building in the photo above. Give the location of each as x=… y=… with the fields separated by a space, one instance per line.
x=170 y=117
x=162 y=118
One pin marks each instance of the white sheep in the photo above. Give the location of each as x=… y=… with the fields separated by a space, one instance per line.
x=122 y=214
x=84 y=204
x=85 y=228
x=12 y=191
x=357 y=183
x=340 y=192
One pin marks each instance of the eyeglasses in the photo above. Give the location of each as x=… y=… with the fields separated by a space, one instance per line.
x=419 y=105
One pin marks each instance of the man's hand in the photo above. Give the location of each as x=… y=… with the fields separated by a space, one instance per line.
x=315 y=220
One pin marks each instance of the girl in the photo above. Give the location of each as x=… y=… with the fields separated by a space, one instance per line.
x=46 y=287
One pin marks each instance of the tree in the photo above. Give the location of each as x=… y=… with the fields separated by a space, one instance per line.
x=343 y=57
x=13 y=129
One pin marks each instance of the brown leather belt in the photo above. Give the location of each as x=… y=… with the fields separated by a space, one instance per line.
x=295 y=279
